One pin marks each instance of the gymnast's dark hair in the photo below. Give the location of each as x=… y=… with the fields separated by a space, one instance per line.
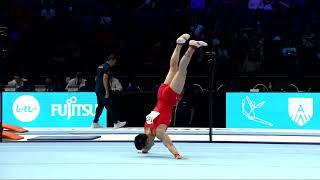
x=140 y=141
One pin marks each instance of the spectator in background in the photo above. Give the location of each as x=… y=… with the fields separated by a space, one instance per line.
x=19 y=82
x=52 y=84
x=254 y=56
x=220 y=52
x=308 y=47
x=48 y=13
x=308 y=39
x=69 y=6
x=254 y=5
x=222 y=58
x=198 y=31
x=251 y=63
x=267 y=5
x=290 y=58
x=133 y=87
x=77 y=81
x=117 y=98
x=115 y=85
x=289 y=50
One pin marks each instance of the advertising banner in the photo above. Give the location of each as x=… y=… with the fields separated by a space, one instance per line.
x=273 y=110
x=50 y=109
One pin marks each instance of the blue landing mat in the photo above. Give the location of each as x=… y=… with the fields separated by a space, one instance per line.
x=63 y=138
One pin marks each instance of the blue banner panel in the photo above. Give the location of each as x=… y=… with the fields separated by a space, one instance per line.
x=50 y=109
x=273 y=110
x=0 y=116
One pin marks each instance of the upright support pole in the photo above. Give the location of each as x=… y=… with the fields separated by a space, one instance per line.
x=211 y=63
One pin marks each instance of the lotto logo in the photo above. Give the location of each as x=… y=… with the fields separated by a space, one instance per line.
x=26 y=108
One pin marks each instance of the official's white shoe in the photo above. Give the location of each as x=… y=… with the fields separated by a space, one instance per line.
x=196 y=44
x=95 y=125
x=183 y=38
x=119 y=124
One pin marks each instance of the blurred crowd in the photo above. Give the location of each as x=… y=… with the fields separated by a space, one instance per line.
x=47 y=42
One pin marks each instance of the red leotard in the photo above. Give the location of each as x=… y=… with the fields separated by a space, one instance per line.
x=167 y=99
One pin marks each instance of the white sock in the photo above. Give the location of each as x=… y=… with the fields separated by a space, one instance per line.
x=196 y=44
x=183 y=38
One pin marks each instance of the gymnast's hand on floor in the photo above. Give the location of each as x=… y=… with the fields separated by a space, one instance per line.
x=179 y=157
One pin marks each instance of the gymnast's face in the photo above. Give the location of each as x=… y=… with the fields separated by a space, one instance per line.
x=149 y=140
x=146 y=143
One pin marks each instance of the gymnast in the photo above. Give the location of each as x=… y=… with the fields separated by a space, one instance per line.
x=169 y=94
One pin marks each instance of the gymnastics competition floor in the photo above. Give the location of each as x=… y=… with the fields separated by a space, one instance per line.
x=233 y=154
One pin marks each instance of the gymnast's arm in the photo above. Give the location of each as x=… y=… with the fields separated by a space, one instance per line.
x=163 y=136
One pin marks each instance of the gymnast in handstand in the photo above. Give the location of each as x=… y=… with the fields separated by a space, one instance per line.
x=169 y=94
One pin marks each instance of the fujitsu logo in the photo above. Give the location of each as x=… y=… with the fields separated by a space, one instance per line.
x=72 y=108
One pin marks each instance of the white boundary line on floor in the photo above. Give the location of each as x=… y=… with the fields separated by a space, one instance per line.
x=188 y=134
x=205 y=138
